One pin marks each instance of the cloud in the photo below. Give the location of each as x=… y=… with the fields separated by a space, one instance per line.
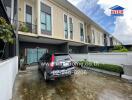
x=94 y=11
x=74 y=2
x=123 y=28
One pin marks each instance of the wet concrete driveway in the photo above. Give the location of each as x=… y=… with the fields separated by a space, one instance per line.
x=86 y=86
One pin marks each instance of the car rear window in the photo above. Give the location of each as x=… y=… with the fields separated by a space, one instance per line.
x=62 y=57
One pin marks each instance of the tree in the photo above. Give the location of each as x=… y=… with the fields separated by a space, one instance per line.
x=6 y=33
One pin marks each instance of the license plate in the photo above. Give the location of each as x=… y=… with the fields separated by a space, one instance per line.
x=65 y=72
x=65 y=64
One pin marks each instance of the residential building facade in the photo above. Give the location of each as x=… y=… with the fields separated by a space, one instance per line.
x=56 y=26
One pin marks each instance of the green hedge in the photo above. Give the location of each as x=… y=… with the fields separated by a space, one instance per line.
x=119 y=48
x=107 y=67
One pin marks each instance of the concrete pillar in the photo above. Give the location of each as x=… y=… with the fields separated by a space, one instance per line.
x=84 y=49
x=38 y=17
x=16 y=31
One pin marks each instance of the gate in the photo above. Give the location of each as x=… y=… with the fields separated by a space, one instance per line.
x=33 y=55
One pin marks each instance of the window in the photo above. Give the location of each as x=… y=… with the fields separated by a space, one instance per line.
x=88 y=39
x=65 y=27
x=43 y=22
x=45 y=19
x=99 y=38
x=29 y=17
x=28 y=14
x=105 y=40
x=71 y=28
x=93 y=36
x=81 y=32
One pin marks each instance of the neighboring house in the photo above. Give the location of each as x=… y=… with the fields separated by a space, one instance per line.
x=7 y=11
x=56 y=26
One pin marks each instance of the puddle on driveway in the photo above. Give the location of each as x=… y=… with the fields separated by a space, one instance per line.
x=90 y=86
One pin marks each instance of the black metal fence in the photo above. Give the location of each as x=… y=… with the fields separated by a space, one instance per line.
x=24 y=26
x=27 y=27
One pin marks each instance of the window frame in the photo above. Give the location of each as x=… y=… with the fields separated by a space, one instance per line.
x=47 y=32
x=66 y=26
x=93 y=36
x=27 y=4
x=81 y=30
x=71 y=27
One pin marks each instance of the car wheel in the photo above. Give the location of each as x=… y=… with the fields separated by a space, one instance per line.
x=45 y=76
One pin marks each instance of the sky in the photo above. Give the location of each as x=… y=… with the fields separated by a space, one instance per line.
x=98 y=11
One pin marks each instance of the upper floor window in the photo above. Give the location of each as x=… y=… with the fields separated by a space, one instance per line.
x=45 y=19
x=65 y=26
x=71 y=28
x=99 y=37
x=28 y=18
x=81 y=32
x=28 y=14
x=93 y=36
x=105 y=39
x=88 y=40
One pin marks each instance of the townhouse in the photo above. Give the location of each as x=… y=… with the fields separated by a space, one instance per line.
x=56 y=26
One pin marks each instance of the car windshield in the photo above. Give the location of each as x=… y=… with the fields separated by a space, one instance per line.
x=62 y=57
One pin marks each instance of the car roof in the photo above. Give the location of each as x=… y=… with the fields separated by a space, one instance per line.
x=57 y=53
x=61 y=53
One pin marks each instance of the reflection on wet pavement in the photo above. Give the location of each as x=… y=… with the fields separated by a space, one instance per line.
x=89 y=86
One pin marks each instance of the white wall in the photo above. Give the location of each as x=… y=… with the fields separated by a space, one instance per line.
x=108 y=58
x=8 y=71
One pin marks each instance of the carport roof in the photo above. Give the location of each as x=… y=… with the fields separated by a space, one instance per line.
x=47 y=40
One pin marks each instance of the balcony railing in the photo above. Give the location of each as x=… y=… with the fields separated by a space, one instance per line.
x=27 y=27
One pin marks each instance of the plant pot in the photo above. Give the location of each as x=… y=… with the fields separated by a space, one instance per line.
x=22 y=65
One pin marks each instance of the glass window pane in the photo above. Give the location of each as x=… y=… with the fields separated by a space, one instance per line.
x=65 y=18
x=66 y=34
x=66 y=30
x=81 y=32
x=42 y=17
x=48 y=22
x=43 y=26
x=66 y=26
x=28 y=18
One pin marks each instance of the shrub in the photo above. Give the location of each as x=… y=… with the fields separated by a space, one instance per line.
x=107 y=67
x=119 y=48
x=23 y=28
x=6 y=31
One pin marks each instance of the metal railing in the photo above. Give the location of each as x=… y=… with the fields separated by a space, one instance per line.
x=24 y=26
x=27 y=27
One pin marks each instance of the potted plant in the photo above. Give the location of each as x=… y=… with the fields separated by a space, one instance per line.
x=6 y=33
x=23 y=28
x=23 y=65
